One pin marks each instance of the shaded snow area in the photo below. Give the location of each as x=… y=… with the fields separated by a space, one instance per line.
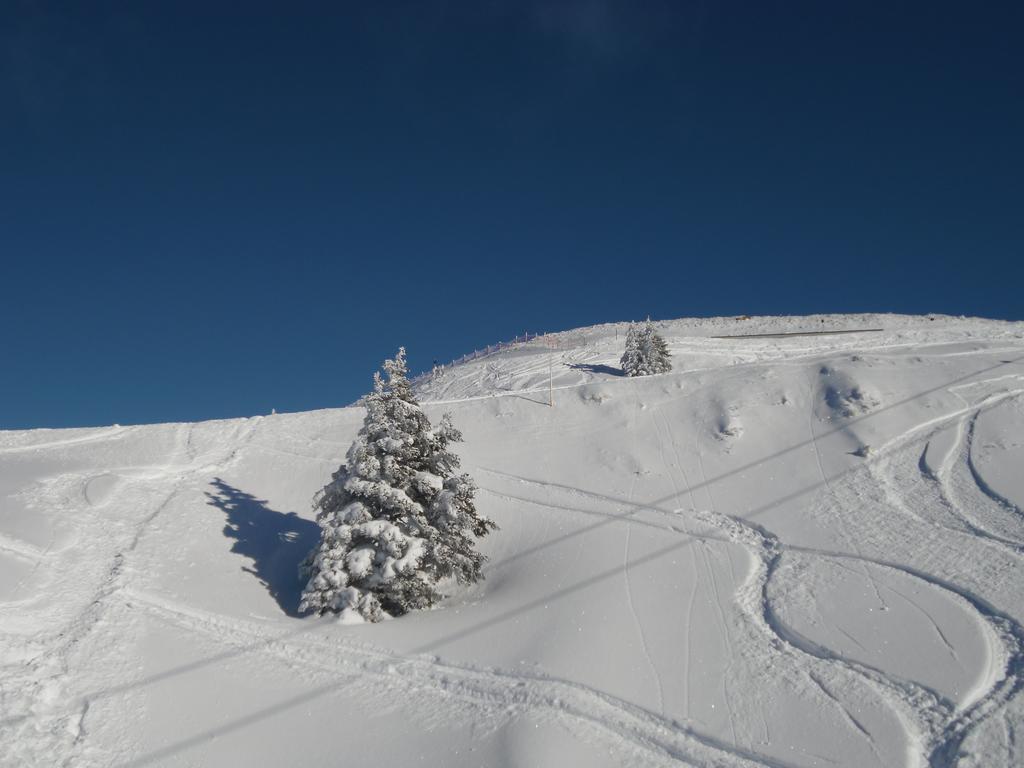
x=789 y=551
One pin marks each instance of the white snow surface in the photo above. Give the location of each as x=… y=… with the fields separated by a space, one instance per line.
x=791 y=551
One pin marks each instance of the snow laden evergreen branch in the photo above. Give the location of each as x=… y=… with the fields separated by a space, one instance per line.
x=646 y=351
x=396 y=519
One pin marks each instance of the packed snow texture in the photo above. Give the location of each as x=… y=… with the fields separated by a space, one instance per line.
x=790 y=551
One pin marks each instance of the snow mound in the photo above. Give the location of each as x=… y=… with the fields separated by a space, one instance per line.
x=843 y=395
x=727 y=421
x=592 y=393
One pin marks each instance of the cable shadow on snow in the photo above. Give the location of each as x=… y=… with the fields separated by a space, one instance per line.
x=275 y=541
x=432 y=646
x=545 y=403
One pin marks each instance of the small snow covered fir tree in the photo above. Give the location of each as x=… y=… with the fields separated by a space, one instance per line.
x=630 y=361
x=646 y=351
x=396 y=519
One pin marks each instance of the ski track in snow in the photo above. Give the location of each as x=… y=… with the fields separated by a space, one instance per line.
x=839 y=513
x=943 y=729
x=693 y=562
x=771 y=630
x=625 y=574
x=933 y=489
x=49 y=667
x=942 y=742
x=979 y=481
x=708 y=568
x=940 y=727
x=99 y=435
x=657 y=738
x=832 y=698
x=949 y=497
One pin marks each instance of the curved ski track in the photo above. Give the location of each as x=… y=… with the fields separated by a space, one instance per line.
x=935 y=727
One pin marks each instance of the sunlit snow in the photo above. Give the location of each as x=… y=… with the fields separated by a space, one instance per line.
x=789 y=551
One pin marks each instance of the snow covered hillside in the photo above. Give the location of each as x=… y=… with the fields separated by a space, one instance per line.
x=789 y=551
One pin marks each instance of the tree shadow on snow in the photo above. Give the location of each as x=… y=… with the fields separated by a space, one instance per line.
x=607 y=369
x=276 y=542
x=230 y=496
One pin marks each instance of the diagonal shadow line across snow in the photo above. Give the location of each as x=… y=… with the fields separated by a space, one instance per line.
x=254 y=717
x=657 y=504
x=425 y=648
x=590 y=581
x=509 y=614
x=611 y=572
x=326 y=689
x=307 y=626
x=607 y=518
x=846 y=425
x=323 y=690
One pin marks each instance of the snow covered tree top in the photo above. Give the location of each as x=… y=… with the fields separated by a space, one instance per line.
x=395 y=519
x=646 y=351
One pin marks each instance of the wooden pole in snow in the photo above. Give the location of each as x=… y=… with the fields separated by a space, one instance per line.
x=551 y=389
x=551 y=364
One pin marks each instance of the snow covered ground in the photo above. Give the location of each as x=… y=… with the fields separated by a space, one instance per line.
x=790 y=551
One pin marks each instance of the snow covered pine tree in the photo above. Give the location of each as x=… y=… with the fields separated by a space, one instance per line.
x=396 y=519
x=646 y=351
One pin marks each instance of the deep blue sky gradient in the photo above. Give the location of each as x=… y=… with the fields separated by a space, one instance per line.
x=215 y=209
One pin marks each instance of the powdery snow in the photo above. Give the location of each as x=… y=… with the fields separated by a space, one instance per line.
x=789 y=551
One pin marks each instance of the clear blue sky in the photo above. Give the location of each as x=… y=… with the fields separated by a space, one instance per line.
x=215 y=209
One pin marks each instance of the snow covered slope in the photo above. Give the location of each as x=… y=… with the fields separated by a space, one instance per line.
x=791 y=551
